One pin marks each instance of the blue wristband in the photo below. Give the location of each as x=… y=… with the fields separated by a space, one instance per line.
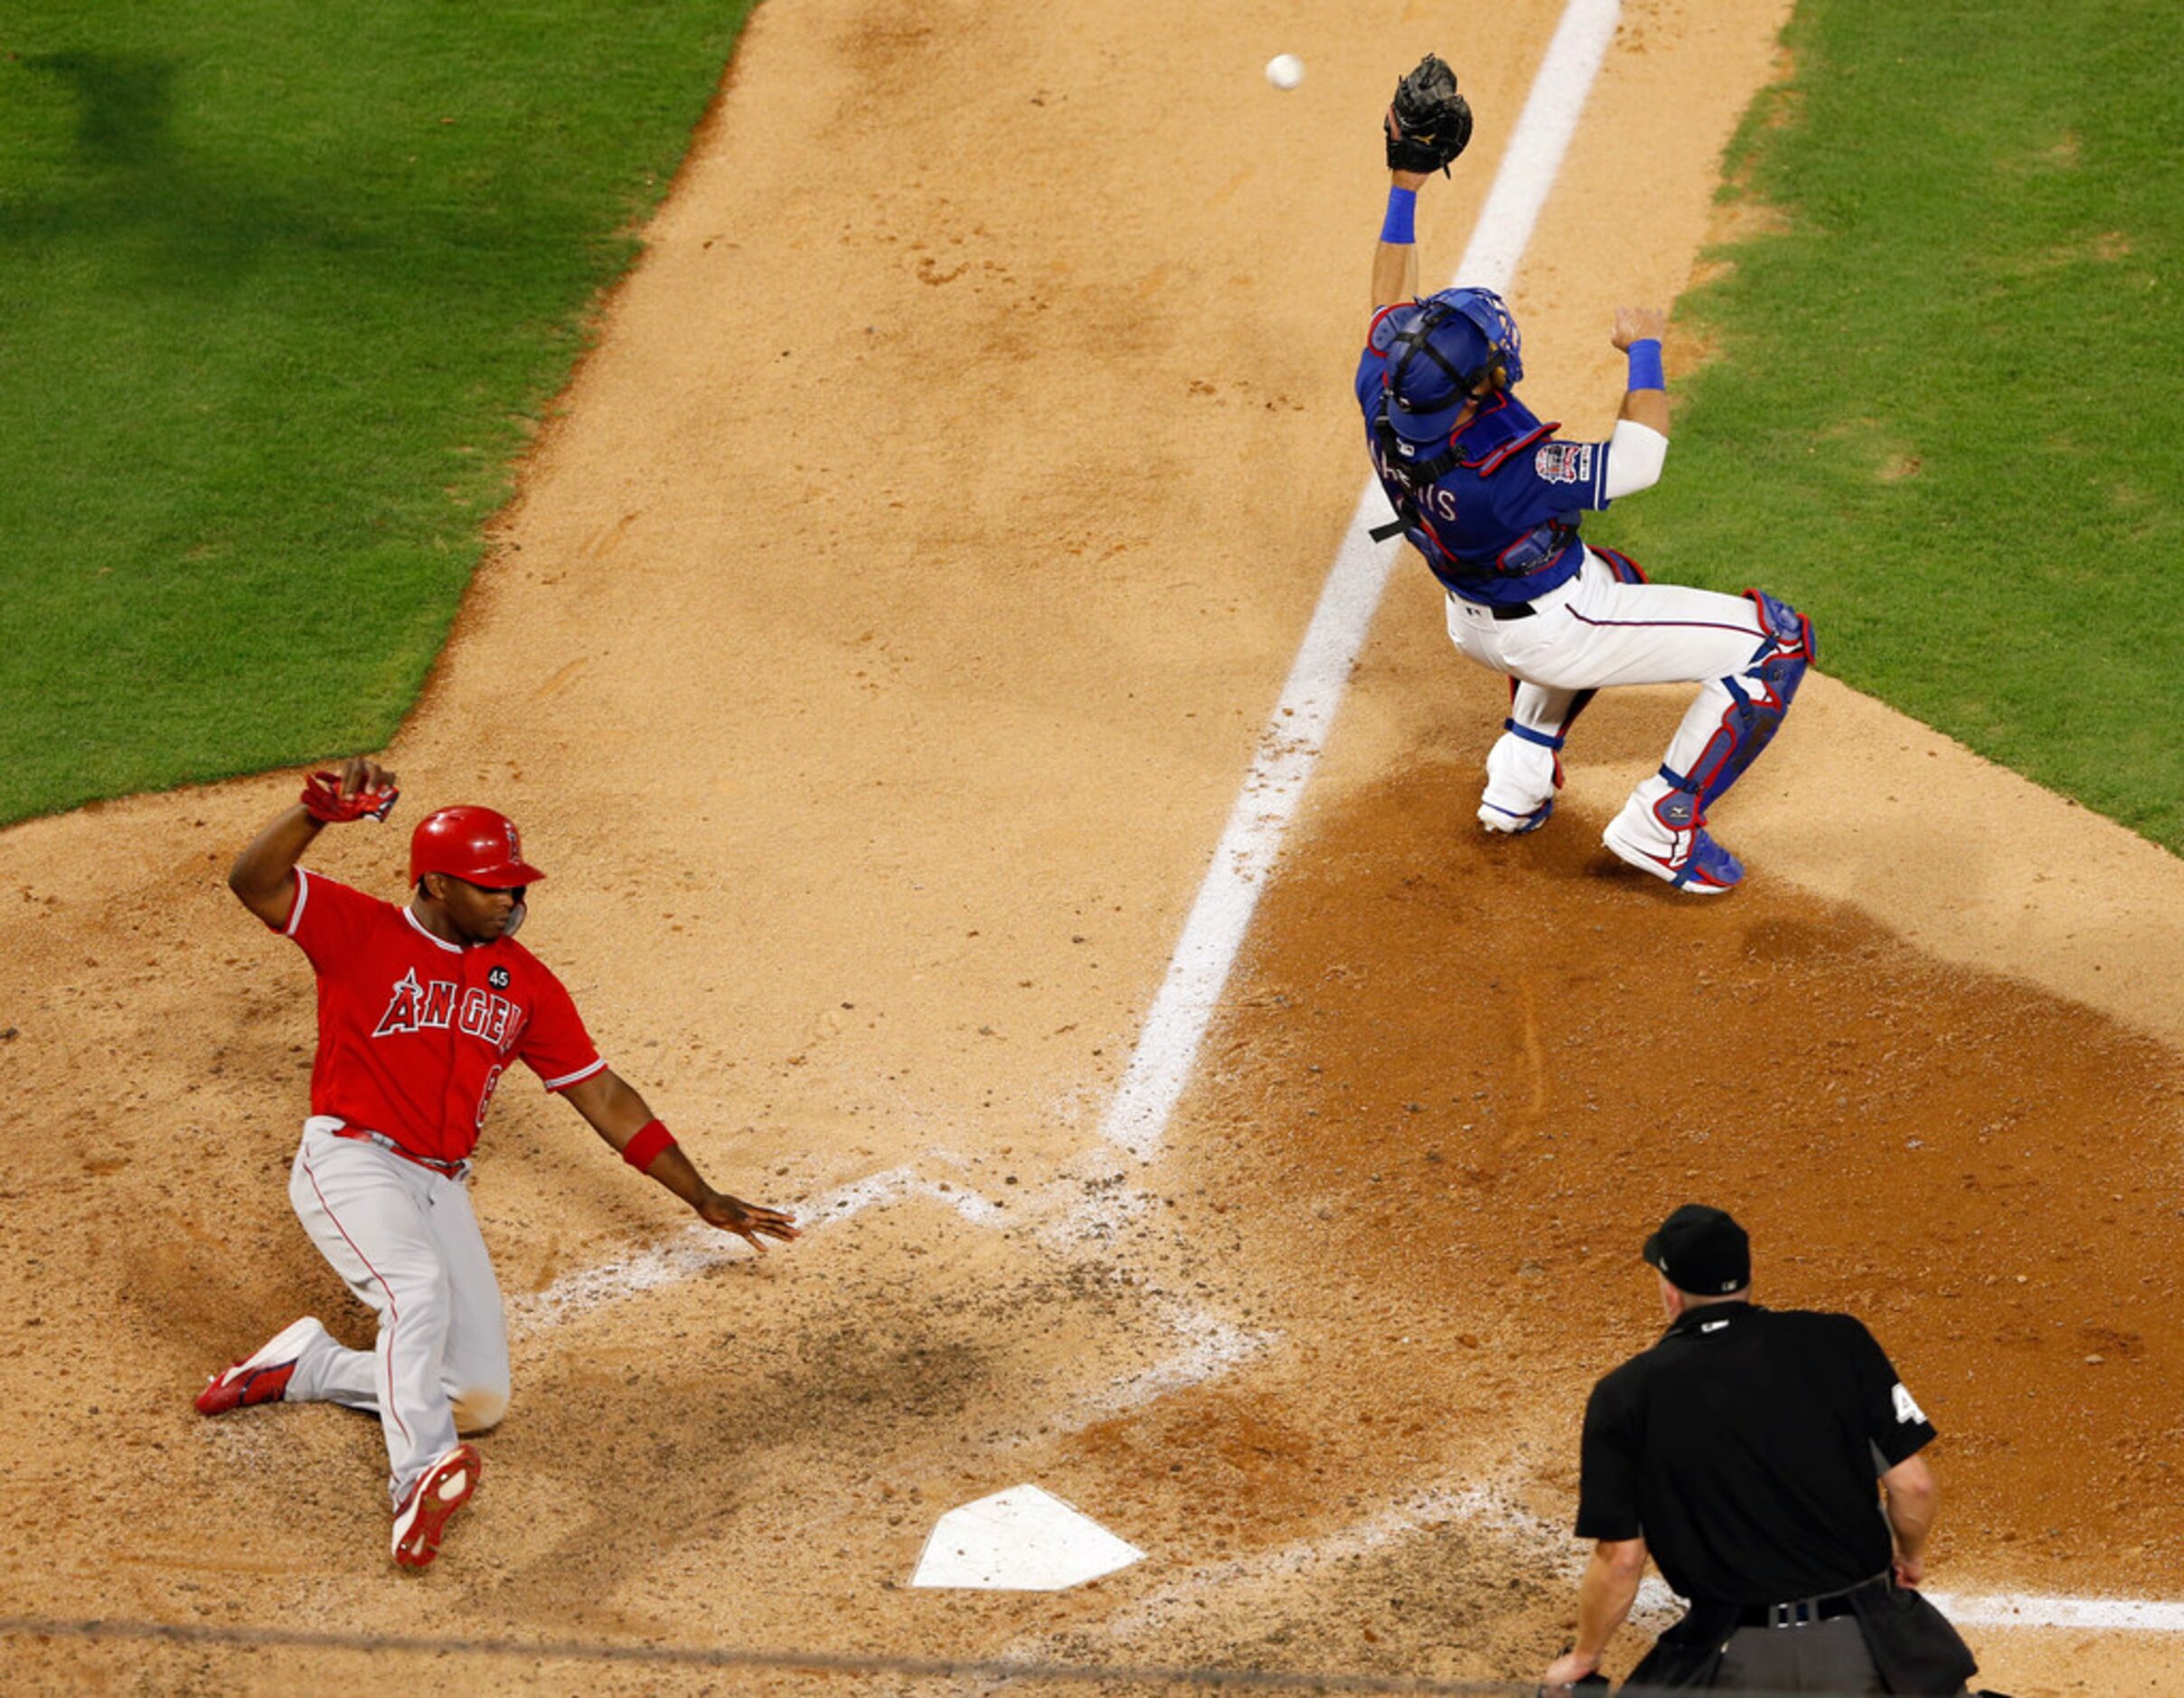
x=1645 y=365
x=1399 y=225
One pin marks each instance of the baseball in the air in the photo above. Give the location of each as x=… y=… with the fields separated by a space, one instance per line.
x=1285 y=70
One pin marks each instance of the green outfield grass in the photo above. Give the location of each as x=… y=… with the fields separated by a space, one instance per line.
x=1944 y=413
x=282 y=290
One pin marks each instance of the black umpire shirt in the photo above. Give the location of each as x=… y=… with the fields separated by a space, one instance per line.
x=1744 y=1448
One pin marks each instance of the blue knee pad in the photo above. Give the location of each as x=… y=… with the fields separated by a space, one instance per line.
x=1759 y=698
x=1788 y=642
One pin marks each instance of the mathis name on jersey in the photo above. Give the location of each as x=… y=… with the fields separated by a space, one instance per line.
x=435 y=1005
x=1435 y=501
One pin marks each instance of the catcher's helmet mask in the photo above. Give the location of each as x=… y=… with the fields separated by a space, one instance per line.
x=1454 y=342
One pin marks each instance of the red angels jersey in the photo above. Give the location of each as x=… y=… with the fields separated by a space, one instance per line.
x=414 y=1033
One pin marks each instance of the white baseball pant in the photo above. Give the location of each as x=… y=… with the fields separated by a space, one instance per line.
x=405 y=1240
x=1595 y=632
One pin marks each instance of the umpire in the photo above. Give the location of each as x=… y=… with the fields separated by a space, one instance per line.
x=1742 y=1452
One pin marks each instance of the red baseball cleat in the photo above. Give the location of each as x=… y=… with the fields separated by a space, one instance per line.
x=439 y=1491
x=1707 y=869
x=262 y=1377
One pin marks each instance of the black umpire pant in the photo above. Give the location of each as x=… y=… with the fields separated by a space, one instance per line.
x=1821 y=1656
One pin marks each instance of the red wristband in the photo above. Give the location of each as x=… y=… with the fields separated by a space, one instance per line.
x=644 y=1149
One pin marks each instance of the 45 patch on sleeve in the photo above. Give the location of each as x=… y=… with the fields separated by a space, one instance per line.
x=1564 y=462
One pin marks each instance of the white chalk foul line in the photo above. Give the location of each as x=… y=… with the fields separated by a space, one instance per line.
x=1497 y=1506
x=2025 y=1609
x=1429 y=1508
x=1290 y=746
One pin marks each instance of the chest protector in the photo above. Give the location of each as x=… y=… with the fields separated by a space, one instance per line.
x=1482 y=448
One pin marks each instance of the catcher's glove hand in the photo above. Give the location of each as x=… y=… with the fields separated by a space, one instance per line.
x=1428 y=123
x=323 y=799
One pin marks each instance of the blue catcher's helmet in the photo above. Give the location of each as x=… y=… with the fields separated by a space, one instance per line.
x=1442 y=348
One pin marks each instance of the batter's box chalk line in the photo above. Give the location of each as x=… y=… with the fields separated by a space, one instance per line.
x=1209 y=1345
x=696 y=1248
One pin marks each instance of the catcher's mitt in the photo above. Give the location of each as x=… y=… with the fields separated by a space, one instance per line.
x=1428 y=123
x=324 y=800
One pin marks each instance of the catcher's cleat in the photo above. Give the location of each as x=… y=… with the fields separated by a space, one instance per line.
x=1523 y=771
x=1499 y=819
x=438 y=1492
x=1705 y=869
x=263 y=1376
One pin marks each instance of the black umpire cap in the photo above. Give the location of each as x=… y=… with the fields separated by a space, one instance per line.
x=1701 y=1250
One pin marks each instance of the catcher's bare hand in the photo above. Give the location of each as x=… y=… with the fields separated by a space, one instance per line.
x=750 y=1222
x=1639 y=324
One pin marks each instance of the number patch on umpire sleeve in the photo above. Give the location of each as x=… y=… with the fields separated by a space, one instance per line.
x=1564 y=462
x=1906 y=1408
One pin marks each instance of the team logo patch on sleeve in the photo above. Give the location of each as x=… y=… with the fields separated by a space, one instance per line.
x=1564 y=462
x=1906 y=1410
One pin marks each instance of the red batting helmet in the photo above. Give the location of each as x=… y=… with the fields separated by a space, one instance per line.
x=475 y=844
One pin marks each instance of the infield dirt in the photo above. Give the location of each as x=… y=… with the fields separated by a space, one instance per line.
x=873 y=655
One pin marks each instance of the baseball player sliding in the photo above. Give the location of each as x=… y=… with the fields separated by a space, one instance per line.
x=421 y=1009
x=1492 y=499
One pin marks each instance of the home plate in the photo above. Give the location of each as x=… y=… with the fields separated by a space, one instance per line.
x=1022 y=1540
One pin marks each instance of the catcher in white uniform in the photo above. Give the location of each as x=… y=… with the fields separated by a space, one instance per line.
x=1492 y=499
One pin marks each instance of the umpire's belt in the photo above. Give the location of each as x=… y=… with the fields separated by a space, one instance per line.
x=452 y=1170
x=1805 y=1612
